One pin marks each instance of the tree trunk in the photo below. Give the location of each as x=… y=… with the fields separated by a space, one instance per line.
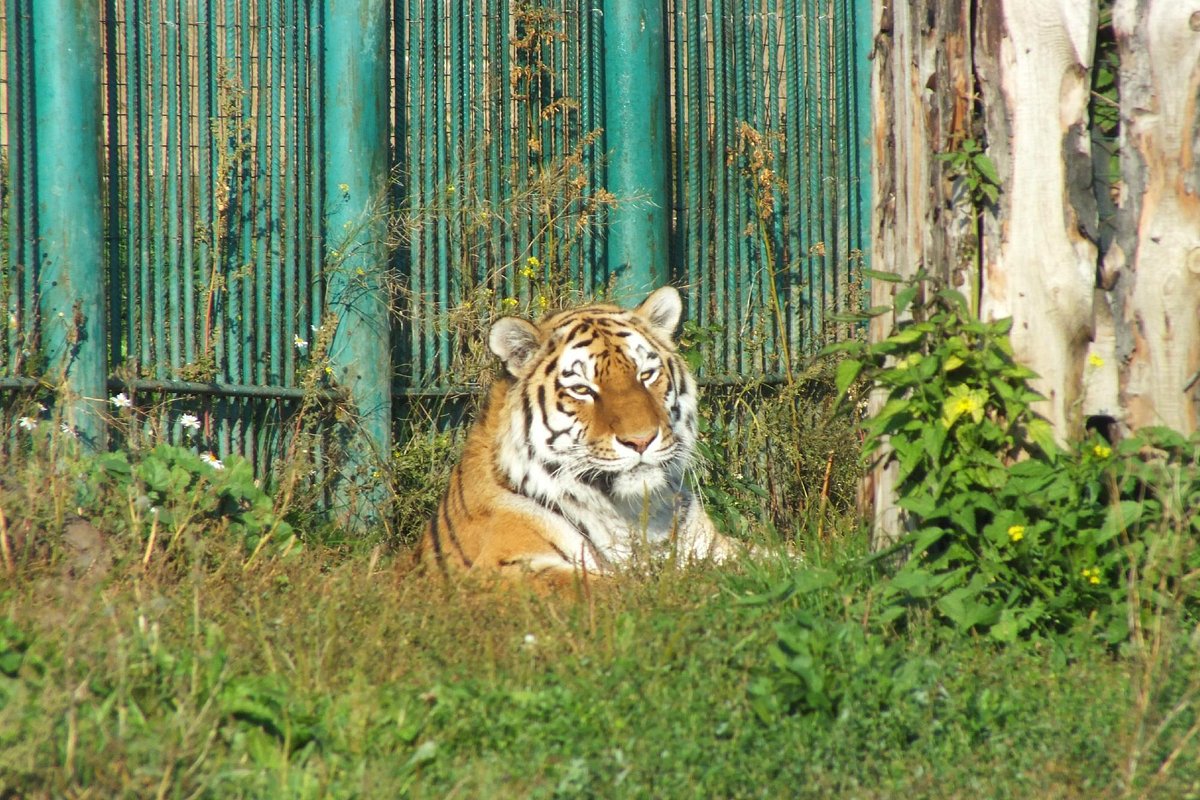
x=1155 y=261
x=922 y=96
x=1033 y=59
x=1028 y=241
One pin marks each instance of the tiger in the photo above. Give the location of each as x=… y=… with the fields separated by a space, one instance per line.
x=579 y=459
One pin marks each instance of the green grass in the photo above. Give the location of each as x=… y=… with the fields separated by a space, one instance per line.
x=333 y=674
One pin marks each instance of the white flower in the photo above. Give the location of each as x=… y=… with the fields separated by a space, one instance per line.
x=190 y=421
x=121 y=401
x=530 y=640
x=211 y=460
x=68 y=431
x=301 y=344
x=42 y=407
x=28 y=423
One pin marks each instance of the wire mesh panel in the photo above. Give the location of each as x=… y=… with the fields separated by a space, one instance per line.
x=214 y=231
x=769 y=138
x=499 y=143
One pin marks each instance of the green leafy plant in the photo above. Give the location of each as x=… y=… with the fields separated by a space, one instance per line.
x=971 y=163
x=1010 y=533
x=171 y=488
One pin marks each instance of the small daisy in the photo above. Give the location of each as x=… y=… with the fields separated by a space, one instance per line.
x=27 y=423
x=190 y=421
x=121 y=401
x=211 y=460
x=301 y=344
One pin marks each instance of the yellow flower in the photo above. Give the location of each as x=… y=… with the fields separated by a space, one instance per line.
x=1095 y=360
x=963 y=400
x=1102 y=451
x=1091 y=574
x=543 y=302
x=1016 y=532
x=533 y=262
x=528 y=272
x=509 y=302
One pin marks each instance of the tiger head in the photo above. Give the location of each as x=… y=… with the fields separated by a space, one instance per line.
x=600 y=399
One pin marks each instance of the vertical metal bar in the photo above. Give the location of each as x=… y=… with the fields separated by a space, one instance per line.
x=442 y=105
x=278 y=320
x=260 y=192
x=697 y=176
x=187 y=74
x=430 y=127
x=66 y=52
x=117 y=253
x=861 y=191
x=497 y=104
x=246 y=191
x=812 y=102
x=828 y=169
x=296 y=321
x=794 y=155
x=16 y=263
x=157 y=281
x=400 y=166
x=481 y=101
x=356 y=93
x=232 y=318
x=172 y=327
x=205 y=70
x=505 y=125
x=725 y=224
x=742 y=201
x=636 y=108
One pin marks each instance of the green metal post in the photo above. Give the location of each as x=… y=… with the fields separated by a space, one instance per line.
x=635 y=111
x=66 y=56
x=356 y=175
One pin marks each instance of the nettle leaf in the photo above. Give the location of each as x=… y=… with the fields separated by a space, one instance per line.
x=966 y=608
x=114 y=463
x=904 y=298
x=879 y=275
x=155 y=474
x=847 y=371
x=1121 y=517
x=922 y=506
x=906 y=335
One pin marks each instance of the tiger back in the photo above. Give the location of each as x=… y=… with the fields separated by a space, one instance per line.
x=580 y=456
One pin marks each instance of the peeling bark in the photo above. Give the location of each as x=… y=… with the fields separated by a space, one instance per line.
x=1156 y=259
x=922 y=96
x=1039 y=255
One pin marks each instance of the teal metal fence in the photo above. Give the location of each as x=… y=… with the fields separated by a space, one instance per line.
x=214 y=195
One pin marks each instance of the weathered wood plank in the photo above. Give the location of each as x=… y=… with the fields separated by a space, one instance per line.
x=1033 y=61
x=1156 y=259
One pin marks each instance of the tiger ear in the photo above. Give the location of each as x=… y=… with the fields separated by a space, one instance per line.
x=515 y=340
x=662 y=309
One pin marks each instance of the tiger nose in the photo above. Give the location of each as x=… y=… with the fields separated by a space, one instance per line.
x=639 y=442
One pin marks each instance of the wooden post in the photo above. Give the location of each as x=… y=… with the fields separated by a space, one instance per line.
x=1033 y=59
x=922 y=96
x=1155 y=262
